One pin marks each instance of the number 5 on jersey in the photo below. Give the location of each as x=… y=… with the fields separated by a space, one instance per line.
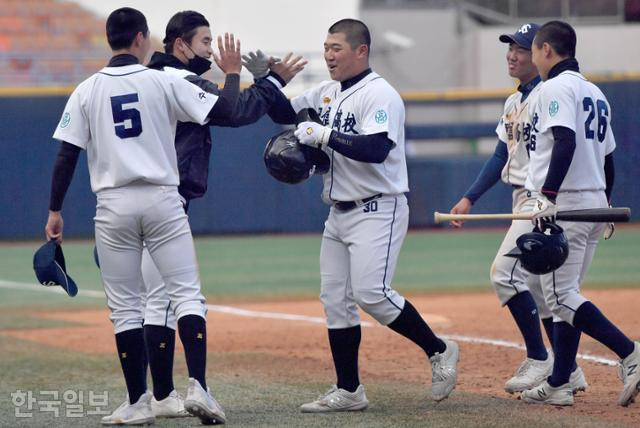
x=121 y=115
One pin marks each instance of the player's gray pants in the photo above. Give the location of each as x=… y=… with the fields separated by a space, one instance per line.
x=156 y=301
x=124 y=218
x=562 y=287
x=507 y=275
x=358 y=258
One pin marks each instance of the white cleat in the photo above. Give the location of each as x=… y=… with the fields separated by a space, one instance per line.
x=530 y=374
x=444 y=371
x=200 y=403
x=629 y=374
x=170 y=407
x=138 y=413
x=547 y=394
x=338 y=400
x=578 y=381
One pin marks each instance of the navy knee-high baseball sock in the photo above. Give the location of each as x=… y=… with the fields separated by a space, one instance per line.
x=590 y=320
x=131 y=352
x=160 y=342
x=193 y=335
x=566 y=339
x=345 y=343
x=525 y=312
x=411 y=325
x=547 y=323
x=548 y=327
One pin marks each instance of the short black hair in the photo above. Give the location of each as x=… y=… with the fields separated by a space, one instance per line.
x=356 y=32
x=184 y=25
x=560 y=35
x=123 y=25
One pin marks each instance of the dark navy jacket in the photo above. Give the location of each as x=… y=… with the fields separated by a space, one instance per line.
x=193 y=141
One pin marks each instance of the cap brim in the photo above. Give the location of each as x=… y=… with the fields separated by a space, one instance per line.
x=65 y=281
x=510 y=38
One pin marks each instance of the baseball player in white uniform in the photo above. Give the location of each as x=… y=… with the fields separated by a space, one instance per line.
x=516 y=288
x=125 y=116
x=571 y=167
x=363 y=134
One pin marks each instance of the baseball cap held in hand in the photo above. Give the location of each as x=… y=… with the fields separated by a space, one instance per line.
x=523 y=37
x=48 y=263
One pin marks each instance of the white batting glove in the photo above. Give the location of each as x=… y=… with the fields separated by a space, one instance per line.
x=608 y=230
x=544 y=211
x=257 y=63
x=313 y=134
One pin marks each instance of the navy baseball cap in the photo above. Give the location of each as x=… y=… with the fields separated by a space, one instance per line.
x=48 y=263
x=523 y=37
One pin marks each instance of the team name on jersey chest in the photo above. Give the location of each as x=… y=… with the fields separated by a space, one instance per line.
x=344 y=124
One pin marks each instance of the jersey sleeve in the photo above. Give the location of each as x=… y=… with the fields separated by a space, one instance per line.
x=382 y=111
x=558 y=105
x=501 y=132
x=190 y=103
x=310 y=98
x=74 y=124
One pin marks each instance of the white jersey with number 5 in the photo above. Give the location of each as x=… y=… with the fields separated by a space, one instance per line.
x=132 y=113
x=571 y=101
x=370 y=106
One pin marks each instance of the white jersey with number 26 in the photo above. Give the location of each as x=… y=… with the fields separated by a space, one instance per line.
x=571 y=101
x=370 y=106
x=125 y=117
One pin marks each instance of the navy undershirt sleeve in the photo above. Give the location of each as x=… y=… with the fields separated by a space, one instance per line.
x=489 y=174
x=561 y=156
x=282 y=112
x=609 y=175
x=62 y=174
x=227 y=98
x=373 y=148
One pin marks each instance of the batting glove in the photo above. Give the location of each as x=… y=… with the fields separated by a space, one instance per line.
x=608 y=230
x=313 y=134
x=257 y=63
x=544 y=211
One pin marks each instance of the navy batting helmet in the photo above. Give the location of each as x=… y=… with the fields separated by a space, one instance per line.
x=291 y=162
x=541 y=253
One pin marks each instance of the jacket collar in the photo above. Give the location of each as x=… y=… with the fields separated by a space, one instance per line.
x=122 y=60
x=570 y=64
x=160 y=60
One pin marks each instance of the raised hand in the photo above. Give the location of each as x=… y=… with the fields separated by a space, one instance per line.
x=257 y=63
x=229 y=59
x=288 y=67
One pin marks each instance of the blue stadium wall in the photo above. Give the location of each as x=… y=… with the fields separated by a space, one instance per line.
x=242 y=198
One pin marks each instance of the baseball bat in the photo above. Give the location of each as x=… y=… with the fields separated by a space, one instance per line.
x=595 y=215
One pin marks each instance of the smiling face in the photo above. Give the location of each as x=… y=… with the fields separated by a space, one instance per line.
x=344 y=62
x=519 y=63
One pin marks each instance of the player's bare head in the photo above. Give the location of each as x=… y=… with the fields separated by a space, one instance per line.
x=356 y=32
x=123 y=26
x=560 y=36
x=183 y=25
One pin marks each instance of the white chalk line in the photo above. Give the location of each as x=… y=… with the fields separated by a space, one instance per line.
x=303 y=318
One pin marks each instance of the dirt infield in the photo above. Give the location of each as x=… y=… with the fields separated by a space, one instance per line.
x=383 y=355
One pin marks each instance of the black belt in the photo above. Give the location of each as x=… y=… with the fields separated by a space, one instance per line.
x=349 y=205
x=517 y=186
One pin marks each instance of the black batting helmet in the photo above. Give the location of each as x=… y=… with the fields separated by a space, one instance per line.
x=291 y=162
x=541 y=253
